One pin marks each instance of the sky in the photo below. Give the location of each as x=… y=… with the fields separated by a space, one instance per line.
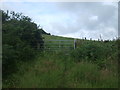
x=72 y=19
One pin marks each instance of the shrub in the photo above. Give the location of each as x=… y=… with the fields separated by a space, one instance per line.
x=8 y=60
x=26 y=53
x=21 y=38
x=90 y=52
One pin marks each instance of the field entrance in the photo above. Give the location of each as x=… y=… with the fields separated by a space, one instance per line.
x=61 y=44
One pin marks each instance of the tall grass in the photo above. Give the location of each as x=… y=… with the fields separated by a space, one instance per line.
x=54 y=70
x=90 y=65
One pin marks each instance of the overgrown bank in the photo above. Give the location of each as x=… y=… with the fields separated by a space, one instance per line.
x=60 y=70
x=92 y=64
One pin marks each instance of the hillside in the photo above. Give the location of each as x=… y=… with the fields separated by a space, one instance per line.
x=55 y=43
x=32 y=58
x=91 y=65
x=47 y=37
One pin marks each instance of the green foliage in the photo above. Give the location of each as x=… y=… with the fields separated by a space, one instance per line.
x=56 y=70
x=8 y=60
x=43 y=32
x=91 y=52
x=26 y=53
x=90 y=65
x=21 y=38
x=83 y=74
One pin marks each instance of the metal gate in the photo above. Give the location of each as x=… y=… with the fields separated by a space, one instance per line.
x=55 y=45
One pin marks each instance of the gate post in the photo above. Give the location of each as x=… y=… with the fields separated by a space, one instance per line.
x=74 y=43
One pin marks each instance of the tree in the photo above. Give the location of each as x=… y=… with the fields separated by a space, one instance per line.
x=20 y=37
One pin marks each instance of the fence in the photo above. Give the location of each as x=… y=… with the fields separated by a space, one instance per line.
x=53 y=45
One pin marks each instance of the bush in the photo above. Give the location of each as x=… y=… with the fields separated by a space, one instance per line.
x=90 y=52
x=8 y=60
x=21 y=38
x=26 y=53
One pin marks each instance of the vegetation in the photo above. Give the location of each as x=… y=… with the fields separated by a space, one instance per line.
x=21 y=37
x=43 y=32
x=93 y=64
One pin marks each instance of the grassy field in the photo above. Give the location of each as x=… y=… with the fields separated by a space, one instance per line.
x=57 y=43
x=47 y=37
x=92 y=64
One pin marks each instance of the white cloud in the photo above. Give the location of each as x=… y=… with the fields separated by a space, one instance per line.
x=72 y=19
x=93 y=18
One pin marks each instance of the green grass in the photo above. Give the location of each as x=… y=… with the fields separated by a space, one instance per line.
x=48 y=37
x=55 y=44
x=51 y=70
x=61 y=70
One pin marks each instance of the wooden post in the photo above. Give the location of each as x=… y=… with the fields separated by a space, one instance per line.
x=74 y=43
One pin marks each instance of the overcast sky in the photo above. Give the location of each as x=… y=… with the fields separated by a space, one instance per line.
x=72 y=19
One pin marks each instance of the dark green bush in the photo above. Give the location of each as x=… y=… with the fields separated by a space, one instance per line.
x=26 y=53
x=90 y=52
x=20 y=39
x=9 y=60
